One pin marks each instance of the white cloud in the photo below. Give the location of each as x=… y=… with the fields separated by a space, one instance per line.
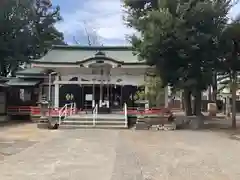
x=101 y=17
x=235 y=10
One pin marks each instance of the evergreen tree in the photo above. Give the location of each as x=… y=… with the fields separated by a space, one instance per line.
x=181 y=39
x=27 y=32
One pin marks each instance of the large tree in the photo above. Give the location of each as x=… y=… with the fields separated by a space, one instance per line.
x=27 y=32
x=230 y=60
x=181 y=39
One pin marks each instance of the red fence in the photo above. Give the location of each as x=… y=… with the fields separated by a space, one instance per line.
x=35 y=110
x=29 y=110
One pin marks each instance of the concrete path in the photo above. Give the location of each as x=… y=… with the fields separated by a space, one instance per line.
x=121 y=155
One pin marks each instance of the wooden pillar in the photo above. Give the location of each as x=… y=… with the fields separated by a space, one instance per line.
x=108 y=97
x=101 y=89
x=166 y=96
x=40 y=92
x=56 y=93
x=93 y=94
x=83 y=97
x=121 y=99
x=100 y=95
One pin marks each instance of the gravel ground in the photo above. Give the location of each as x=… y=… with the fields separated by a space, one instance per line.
x=120 y=155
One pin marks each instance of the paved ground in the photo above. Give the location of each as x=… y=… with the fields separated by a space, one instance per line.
x=118 y=155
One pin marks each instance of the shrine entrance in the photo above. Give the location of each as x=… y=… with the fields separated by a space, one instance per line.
x=101 y=82
x=109 y=96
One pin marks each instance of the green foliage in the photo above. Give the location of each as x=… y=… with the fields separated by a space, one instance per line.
x=180 y=38
x=230 y=59
x=27 y=32
x=230 y=47
x=140 y=94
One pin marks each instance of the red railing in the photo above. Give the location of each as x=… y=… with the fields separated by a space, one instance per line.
x=30 y=110
x=19 y=110
x=35 y=110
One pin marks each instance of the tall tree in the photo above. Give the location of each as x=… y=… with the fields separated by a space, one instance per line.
x=28 y=32
x=230 y=48
x=181 y=39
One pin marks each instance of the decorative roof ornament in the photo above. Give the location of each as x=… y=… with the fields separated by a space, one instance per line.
x=100 y=54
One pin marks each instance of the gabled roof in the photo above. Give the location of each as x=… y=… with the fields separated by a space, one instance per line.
x=21 y=82
x=4 y=79
x=31 y=71
x=79 y=54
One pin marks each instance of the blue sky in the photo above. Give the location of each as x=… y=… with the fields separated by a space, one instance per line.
x=102 y=19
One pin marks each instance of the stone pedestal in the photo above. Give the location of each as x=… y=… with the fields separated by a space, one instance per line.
x=212 y=109
x=46 y=121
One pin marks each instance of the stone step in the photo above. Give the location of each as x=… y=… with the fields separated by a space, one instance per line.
x=99 y=126
x=91 y=119
x=109 y=121
x=84 y=122
x=99 y=116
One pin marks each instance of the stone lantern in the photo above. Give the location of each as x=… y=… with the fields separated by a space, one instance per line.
x=44 y=108
x=43 y=120
x=46 y=121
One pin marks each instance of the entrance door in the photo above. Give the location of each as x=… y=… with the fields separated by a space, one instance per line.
x=94 y=93
x=116 y=99
x=89 y=95
x=69 y=93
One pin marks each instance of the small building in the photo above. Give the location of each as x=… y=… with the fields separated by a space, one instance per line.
x=107 y=76
x=3 y=97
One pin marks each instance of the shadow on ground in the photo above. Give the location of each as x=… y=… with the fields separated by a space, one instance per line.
x=14 y=122
x=11 y=147
x=222 y=126
x=18 y=135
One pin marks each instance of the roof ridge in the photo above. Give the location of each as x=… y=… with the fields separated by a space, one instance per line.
x=97 y=48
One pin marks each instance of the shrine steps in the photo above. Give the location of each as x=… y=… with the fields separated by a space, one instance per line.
x=103 y=121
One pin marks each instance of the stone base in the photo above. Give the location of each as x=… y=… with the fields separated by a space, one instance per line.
x=4 y=118
x=53 y=123
x=190 y=122
x=47 y=126
x=165 y=127
x=169 y=127
x=211 y=114
x=42 y=125
x=196 y=122
x=53 y=126
x=141 y=125
x=49 y=123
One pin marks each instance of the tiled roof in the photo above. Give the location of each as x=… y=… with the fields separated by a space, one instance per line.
x=21 y=82
x=31 y=71
x=76 y=54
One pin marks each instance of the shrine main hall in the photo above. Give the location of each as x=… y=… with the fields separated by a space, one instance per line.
x=107 y=76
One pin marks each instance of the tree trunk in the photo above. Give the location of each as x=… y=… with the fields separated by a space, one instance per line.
x=214 y=87
x=187 y=102
x=233 y=91
x=197 y=103
x=210 y=93
x=214 y=95
x=182 y=101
